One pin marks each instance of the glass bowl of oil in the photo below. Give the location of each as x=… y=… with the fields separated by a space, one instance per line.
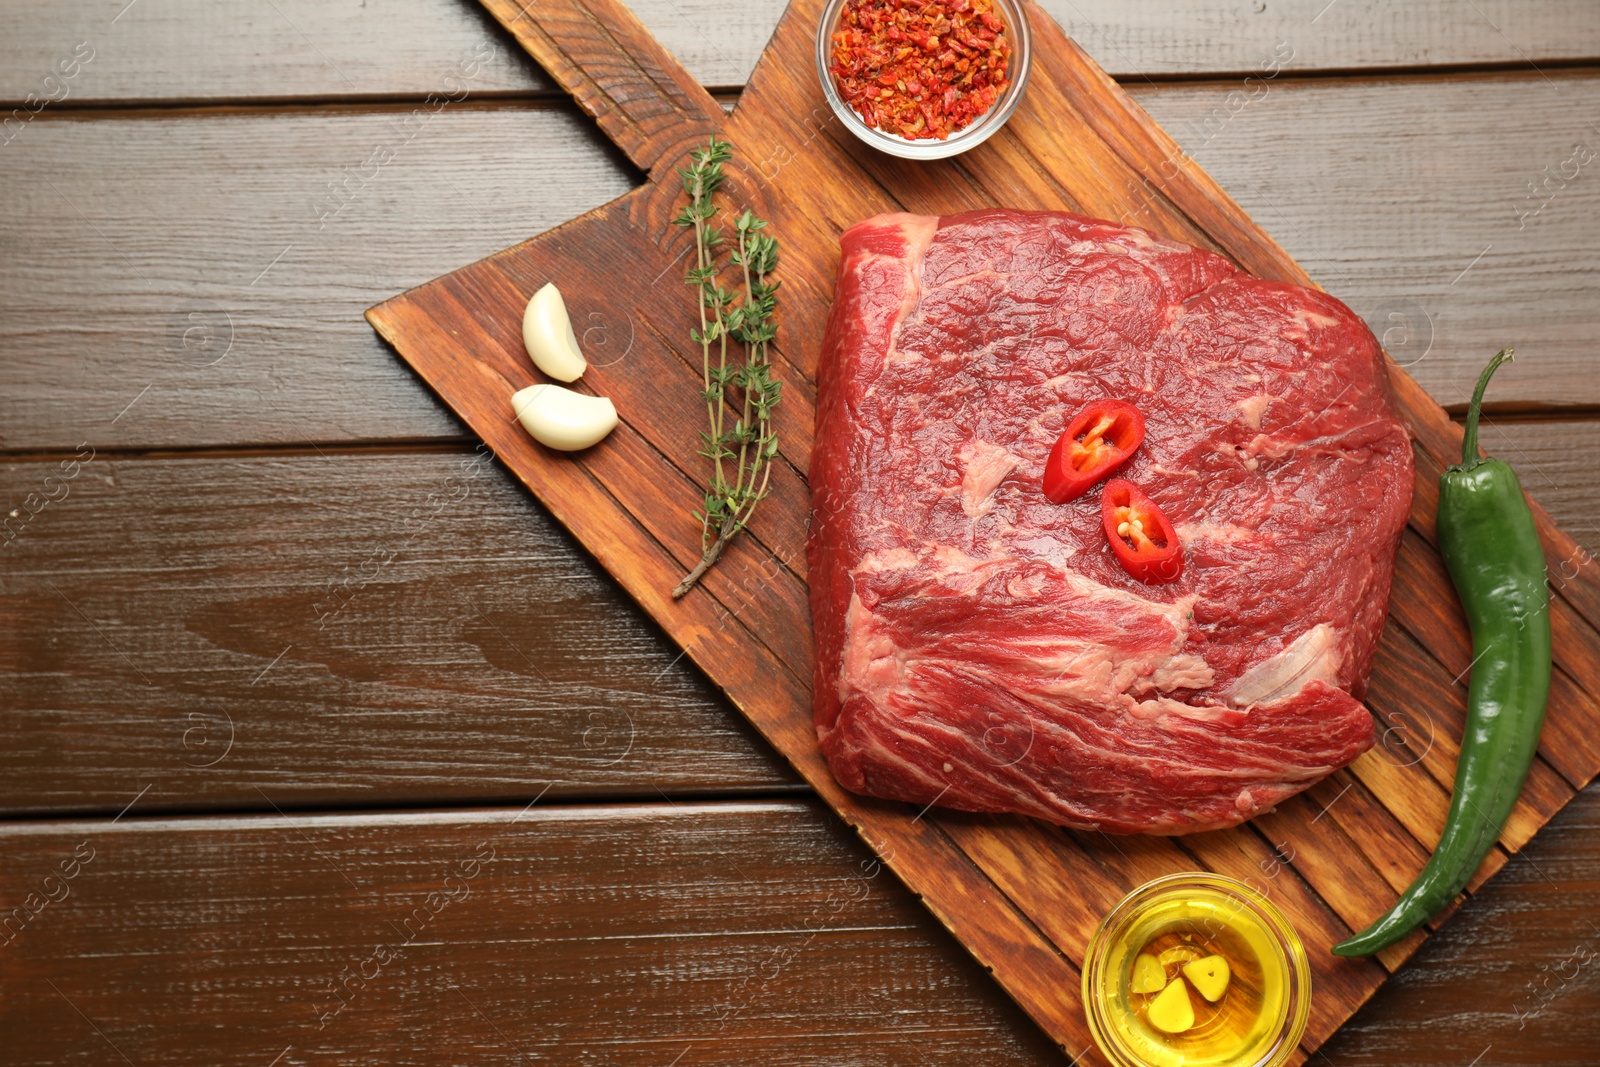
x=1157 y=996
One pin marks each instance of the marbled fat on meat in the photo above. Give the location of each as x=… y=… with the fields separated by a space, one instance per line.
x=980 y=647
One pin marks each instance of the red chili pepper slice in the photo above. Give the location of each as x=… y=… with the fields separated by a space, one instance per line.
x=1140 y=534
x=1097 y=442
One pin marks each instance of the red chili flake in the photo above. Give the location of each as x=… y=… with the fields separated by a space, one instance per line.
x=950 y=70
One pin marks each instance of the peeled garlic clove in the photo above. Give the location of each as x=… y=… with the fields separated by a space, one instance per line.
x=562 y=419
x=1148 y=974
x=547 y=333
x=1171 y=1012
x=1209 y=976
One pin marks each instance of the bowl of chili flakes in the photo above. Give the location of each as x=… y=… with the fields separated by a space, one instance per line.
x=923 y=79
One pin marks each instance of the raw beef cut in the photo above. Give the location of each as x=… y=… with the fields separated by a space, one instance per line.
x=981 y=648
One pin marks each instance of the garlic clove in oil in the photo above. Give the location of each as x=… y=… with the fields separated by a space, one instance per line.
x=547 y=333
x=1171 y=1011
x=1209 y=976
x=562 y=419
x=1148 y=974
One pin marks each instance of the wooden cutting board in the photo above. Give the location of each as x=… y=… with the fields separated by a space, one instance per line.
x=1022 y=896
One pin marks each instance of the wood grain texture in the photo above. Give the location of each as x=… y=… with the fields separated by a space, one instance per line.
x=180 y=50
x=194 y=951
x=630 y=934
x=1554 y=460
x=1437 y=277
x=182 y=253
x=234 y=298
x=309 y=630
x=1000 y=884
x=599 y=52
x=724 y=933
x=441 y=674
x=1513 y=982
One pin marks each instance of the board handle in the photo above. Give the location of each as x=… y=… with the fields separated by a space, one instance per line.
x=597 y=50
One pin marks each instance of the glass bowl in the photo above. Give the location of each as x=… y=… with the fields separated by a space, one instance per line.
x=974 y=133
x=1270 y=970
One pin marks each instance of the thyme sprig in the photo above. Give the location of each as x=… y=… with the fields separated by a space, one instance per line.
x=739 y=439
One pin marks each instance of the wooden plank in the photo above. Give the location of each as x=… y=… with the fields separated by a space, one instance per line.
x=1012 y=852
x=743 y=930
x=1453 y=254
x=178 y=254
x=239 y=300
x=296 y=49
x=1190 y=36
x=1555 y=460
x=716 y=933
x=330 y=629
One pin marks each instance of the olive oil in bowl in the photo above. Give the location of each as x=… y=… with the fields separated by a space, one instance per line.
x=1196 y=970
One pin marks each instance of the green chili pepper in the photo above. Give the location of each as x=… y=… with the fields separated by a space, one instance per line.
x=1491 y=547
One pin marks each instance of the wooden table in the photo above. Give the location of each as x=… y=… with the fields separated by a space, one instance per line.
x=322 y=744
